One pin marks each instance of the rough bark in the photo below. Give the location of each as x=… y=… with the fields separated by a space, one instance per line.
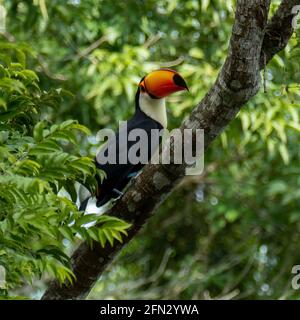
x=279 y=31
x=253 y=42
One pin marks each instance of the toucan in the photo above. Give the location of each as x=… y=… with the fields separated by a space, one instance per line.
x=150 y=113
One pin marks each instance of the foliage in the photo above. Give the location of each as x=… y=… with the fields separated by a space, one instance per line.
x=37 y=160
x=232 y=232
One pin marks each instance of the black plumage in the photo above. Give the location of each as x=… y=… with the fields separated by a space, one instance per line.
x=118 y=175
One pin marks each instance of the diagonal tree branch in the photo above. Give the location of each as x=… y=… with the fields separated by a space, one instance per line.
x=279 y=30
x=238 y=81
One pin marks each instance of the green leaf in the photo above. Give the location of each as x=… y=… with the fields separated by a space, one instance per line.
x=3 y=104
x=38 y=131
x=284 y=153
x=87 y=218
x=67 y=233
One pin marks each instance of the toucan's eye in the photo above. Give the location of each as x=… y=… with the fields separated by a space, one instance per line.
x=142 y=88
x=179 y=81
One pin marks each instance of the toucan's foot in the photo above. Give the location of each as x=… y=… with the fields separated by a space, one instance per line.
x=118 y=192
x=132 y=175
x=100 y=203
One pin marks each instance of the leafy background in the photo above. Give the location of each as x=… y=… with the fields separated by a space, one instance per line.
x=231 y=233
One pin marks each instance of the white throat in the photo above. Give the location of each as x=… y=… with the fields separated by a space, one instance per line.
x=154 y=108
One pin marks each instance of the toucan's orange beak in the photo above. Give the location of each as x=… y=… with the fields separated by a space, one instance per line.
x=163 y=82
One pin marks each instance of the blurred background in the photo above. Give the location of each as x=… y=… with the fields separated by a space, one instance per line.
x=231 y=233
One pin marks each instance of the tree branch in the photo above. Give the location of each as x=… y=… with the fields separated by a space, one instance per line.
x=238 y=81
x=279 y=31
